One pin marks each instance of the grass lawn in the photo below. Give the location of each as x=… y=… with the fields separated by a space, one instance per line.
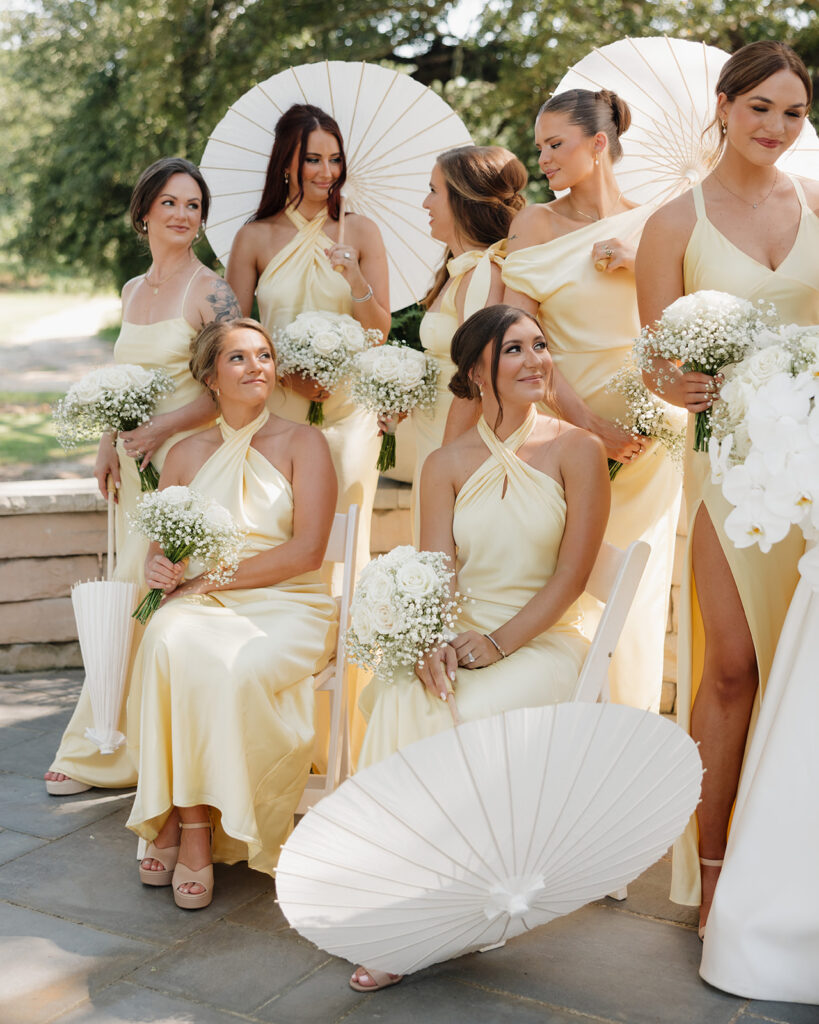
x=27 y=430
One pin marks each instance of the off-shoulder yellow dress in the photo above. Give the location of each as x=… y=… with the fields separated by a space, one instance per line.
x=766 y=582
x=221 y=702
x=162 y=345
x=506 y=551
x=590 y=320
x=436 y=330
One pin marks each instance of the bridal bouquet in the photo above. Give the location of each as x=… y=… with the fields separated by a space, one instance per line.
x=647 y=415
x=390 y=380
x=115 y=398
x=321 y=346
x=703 y=332
x=402 y=607
x=185 y=523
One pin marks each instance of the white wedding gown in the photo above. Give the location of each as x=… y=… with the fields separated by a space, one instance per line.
x=762 y=938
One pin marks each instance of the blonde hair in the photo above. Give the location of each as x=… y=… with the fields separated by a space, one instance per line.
x=484 y=186
x=207 y=345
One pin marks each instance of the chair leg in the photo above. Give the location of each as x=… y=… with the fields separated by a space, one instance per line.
x=619 y=894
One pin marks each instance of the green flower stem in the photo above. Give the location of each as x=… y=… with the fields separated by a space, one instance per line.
x=315 y=414
x=152 y=600
x=386 y=455
x=614 y=468
x=148 y=477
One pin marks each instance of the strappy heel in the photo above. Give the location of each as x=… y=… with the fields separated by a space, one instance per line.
x=184 y=875
x=708 y=863
x=167 y=855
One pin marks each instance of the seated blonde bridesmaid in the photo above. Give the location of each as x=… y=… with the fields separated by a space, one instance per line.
x=221 y=703
x=519 y=503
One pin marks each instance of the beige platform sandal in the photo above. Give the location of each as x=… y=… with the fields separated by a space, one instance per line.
x=167 y=855
x=65 y=787
x=183 y=875
x=707 y=862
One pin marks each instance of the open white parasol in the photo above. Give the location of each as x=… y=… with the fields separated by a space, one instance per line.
x=105 y=629
x=470 y=837
x=670 y=87
x=393 y=129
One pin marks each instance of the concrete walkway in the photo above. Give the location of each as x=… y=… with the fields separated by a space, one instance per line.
x=83 y=942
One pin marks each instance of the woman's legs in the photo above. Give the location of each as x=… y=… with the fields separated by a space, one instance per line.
x=194 y=846
x=724 y=701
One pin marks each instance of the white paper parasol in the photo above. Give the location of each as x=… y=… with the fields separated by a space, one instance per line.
x=393 y=129
x=669 y=85
x=475 y=835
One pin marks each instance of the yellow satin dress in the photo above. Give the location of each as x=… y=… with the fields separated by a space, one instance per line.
x=300 y=279
x=162 y=345
x=766 y=582
x=590 y=320
x=221 y=702
x=506 y=551
x=436 y=330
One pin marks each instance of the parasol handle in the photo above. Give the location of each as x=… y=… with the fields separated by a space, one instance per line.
x=342 y=213
x=453 y=709
x=109 y=564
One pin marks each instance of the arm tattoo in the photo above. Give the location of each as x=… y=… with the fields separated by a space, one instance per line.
x=223 y=301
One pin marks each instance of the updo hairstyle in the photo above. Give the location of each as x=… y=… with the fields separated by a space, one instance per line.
x=602 y=111
x=484 y=187
x=207 y=345
x=486 y=327
x=746 y=69
x=152 y=182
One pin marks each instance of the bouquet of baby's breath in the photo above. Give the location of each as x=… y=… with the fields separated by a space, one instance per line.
x=185 y=523
x=389 y=380
x=115 y=398
x=647 y=415
x=321 y=346
x=702 y=332
x=402 y=607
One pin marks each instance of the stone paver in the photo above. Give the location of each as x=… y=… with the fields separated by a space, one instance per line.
x=83 y=942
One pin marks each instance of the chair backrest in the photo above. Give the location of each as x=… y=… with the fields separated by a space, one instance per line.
x=614 y=581
x=341 y=547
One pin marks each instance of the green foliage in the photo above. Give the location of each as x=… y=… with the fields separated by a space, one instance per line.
x=405 y=325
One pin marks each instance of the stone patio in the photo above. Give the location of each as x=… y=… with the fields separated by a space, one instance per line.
x=83 y=942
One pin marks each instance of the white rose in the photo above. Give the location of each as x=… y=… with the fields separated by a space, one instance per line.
x=766 y=363
x=353 y=336
x=310 y=323
x=416 y=579
x=377 y=587
x=361 y=622
x=326 y=343
x=386 y=618
x=217 y=516
x=86 y=391
x=180 y=497
x=387 y=368
x=413 y=368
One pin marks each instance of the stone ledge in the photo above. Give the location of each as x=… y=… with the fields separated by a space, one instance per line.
x=39 y=657
x=27 y=497
x=391 y=495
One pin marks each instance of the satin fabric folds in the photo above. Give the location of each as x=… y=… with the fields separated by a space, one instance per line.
x=507 y=547
x=221 y=705
x=162 y=345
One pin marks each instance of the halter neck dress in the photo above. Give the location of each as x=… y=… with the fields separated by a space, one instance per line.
x=436 y=330
x=221 y=701
x=766 y=582
x=164 y=345
x=505 y=554
x=590 y=320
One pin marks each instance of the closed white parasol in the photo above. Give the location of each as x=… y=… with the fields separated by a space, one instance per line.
x=470 y=837
x=393 y=129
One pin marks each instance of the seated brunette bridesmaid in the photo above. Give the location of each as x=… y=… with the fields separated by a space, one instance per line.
x=519 y=503
x=221 y=702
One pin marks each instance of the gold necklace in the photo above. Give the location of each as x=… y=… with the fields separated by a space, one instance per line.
x=173 y=273
x=588 y=216
x=747 y=202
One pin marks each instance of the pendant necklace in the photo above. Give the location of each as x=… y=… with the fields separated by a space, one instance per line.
x=747 y=202
x=155 y=287
x=588 y=216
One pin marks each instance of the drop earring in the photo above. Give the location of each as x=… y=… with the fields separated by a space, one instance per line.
x=596 y=161
x=724 y=127
x=287 y=177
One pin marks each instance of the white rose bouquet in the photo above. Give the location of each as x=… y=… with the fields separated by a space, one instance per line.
x=185 y=523
x=647 y=415
x=703 y=332
x=393 y=379
x=115 y=398
x=321 y=346
x=402 y=607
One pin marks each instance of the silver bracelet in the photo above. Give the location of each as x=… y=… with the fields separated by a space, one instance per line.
x=364 y=298
x=495 y=644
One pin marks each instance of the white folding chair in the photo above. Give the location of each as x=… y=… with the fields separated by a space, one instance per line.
x=333 y=679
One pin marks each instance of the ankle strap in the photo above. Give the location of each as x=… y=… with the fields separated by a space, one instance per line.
x=195 y=824
x=703 y=860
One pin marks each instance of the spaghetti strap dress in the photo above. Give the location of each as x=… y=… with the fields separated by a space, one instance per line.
x=221 y=699
x=590 y=320
x=436 y=330
x=505 y=554
x=766 y=582
x=162 y=345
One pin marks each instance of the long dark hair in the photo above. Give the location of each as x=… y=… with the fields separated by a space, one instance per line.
x=152 y=181
x=292 y=131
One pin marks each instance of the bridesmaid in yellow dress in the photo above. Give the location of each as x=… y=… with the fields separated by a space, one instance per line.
x=519 y=503
x=752 y=231
x=571 y=263
x=474 y=192
x=222 y=688
x=161 y=312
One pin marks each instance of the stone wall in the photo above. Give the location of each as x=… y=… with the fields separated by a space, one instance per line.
x=53 y=533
